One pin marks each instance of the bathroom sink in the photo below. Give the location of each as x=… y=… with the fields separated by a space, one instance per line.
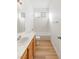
x=22 y=41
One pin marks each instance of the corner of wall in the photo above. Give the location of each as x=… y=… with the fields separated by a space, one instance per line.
x=53 y=44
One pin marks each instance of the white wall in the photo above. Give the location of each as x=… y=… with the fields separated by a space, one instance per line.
x=55 y=24
x=40 y=3
x=41 y=25
x=55 y=32
x=20 y=25
x=54 y=9
x=29 y=20
x=28 y=9
x=20 y=19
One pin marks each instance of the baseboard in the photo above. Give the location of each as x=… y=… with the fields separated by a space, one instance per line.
x=56 y=49
x=43 y=33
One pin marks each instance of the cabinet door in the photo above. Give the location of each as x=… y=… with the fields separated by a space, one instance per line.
x=30 y=54
x=24 y=55
x=33 y=46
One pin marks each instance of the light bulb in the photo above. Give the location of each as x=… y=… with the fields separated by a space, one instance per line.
x=50 y=17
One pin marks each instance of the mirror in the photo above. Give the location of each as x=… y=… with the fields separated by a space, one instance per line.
x=21 y=22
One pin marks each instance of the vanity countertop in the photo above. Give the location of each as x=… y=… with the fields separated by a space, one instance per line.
x=22 y=44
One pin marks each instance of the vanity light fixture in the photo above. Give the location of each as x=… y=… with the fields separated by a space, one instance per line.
x=50 y=16
x=19 y=2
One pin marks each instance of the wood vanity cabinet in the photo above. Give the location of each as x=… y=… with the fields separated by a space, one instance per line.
x=29 y=52
x=31 y=49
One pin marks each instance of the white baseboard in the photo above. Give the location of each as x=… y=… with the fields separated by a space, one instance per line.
x=43 y=33
x=56 y=49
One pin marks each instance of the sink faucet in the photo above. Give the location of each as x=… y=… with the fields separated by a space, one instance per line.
x=19 y=37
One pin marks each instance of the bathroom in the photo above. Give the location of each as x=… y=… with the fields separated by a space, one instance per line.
x=40 y=21
x=39 y=29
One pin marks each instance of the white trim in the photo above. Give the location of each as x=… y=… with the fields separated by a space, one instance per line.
x=43 y=33
x=55 y=49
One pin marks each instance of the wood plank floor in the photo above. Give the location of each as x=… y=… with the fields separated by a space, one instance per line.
x=44 y=50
